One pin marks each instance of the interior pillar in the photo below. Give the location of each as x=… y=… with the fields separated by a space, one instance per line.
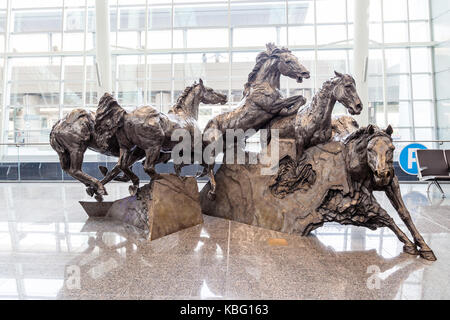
x=360 y=56
x=103 y=50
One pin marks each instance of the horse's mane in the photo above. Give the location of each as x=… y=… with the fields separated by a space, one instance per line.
x=366 y=133
x=271 y=52
x=108 y=119
x=182 y=98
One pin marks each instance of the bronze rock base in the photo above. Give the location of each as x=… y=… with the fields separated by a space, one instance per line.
x=165 y=206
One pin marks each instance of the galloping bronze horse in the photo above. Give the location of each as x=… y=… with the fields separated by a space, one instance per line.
x=369 y=161
x=313 y=121
x=150 y=130
x=262 y=99
x=70 y=137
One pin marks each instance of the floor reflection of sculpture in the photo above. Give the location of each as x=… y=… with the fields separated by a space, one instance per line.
x=150 y=130
x=349 y=278
x=262 y=99
x=118 y=263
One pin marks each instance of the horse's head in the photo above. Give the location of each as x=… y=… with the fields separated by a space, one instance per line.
x=345 y=92
x=288 y=64
x=380 y=156
x=209 y=96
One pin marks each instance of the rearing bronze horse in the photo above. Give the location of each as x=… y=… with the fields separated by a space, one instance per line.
x=262 y=99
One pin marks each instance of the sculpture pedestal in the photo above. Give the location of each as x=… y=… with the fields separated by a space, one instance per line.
x=168 y=205
x=284 y=201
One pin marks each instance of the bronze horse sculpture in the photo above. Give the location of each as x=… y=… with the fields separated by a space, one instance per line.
x=369 y=161
x=70 y=137
x=150 y=130
x=313 y=121
x=262 y=99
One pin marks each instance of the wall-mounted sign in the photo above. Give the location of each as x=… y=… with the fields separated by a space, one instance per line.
x=408 y=158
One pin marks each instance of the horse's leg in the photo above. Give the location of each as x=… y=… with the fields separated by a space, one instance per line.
x=383 y=217
x=299 y=146
x=130 y=158
x=395 y=196
x=76 y=161
x=212 y=192
x=151 y=156
x=123 y=165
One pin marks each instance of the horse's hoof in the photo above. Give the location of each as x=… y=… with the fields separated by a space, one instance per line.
x=427 y=255
x=133 y=190
x=99 y=197
x=102 y=191
x=410 y=249
x=211 y=196
x=90 y=191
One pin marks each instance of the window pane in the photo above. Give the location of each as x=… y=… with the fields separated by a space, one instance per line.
x=35 y=69
x=301 y=12
x=244 y=37
x=424 y=134
x=303 y=35
x=212 y=38
x=418 y=9
x=159 y=39
x=421 y=85
x=423 y=112
x=395 y=32
x=397 y=87
x=375 y=62
x=420 y=60
x=258 y=14
x=375 y=88
x=397 y=60
x=330 y=34
x=419 y=31
x=375 y=32
x=330 y=11
x=375 y=10
x=394 y=10
x=201 y=16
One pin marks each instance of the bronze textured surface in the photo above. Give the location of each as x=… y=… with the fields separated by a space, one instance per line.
x=168 y=205
x=95 y=208
x=175 y=205
x=332 y=182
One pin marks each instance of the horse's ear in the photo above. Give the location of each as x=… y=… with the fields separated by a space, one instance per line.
x=370 y=129
x=270 y=46
x=338 y=74
x=200 y=81
x=389 y=130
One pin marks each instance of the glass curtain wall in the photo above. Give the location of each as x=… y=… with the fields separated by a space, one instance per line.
x=47 y=70
x=161 y=46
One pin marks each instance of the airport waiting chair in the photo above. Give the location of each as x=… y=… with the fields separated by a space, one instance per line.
x=433 y=166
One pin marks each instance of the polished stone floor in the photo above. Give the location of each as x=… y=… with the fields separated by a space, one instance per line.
x=50 y=250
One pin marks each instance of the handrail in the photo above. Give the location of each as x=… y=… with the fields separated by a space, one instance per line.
x=47 y=144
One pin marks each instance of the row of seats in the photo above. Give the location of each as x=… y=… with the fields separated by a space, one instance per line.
x=433 y=165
